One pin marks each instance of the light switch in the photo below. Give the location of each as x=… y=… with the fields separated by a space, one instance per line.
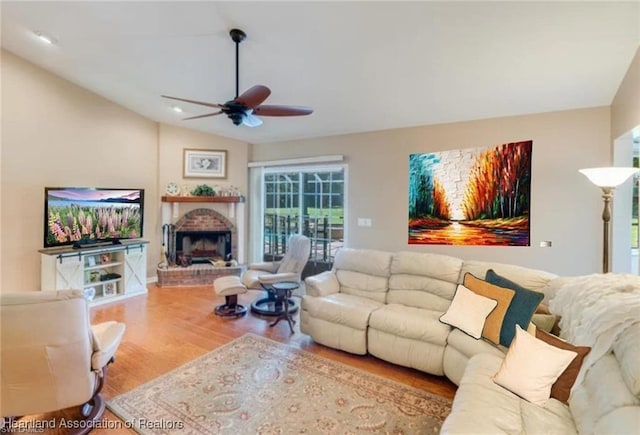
x=364 y=222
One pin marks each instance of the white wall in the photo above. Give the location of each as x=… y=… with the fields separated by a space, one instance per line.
x=625 y=118
x=625 y=108
x=565 y=208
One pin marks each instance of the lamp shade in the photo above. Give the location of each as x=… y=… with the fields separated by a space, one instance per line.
x=609 y=176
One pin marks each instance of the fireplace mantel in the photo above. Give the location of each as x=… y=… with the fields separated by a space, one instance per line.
x=230 y=200
x=227 y=199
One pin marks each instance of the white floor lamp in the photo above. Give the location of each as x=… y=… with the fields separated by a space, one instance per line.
x=607 y=179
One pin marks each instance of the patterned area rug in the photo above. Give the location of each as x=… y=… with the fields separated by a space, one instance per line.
x=256 y=385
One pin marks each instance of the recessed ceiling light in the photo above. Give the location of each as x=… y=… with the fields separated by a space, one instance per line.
x=45 y=38
x=177 y=109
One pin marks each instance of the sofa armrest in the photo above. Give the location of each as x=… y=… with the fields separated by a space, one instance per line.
x=267 y=266
x=323 y=284
x=278 y=277
x=106 y=339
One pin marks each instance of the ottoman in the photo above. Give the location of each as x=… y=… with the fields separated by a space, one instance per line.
x=230 y=287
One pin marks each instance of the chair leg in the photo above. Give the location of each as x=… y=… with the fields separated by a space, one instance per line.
x=94 y=408
x=269 y=306
x=231 y=308
x=93 y=411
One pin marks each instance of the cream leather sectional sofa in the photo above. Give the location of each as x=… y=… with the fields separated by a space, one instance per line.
x=389 y=305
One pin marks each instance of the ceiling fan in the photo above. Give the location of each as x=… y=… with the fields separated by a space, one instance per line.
x=244 y=108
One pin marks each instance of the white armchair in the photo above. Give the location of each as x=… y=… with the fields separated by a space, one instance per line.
x=51 y=358
x=261 y=276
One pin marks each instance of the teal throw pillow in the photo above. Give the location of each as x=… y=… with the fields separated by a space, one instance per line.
x=521 y=309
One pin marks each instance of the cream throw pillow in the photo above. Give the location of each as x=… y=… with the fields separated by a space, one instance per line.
x=531 y=366
x=468 y=311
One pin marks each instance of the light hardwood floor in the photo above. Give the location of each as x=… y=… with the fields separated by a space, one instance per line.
x=170 y=326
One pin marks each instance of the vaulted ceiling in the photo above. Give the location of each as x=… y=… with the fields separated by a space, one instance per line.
x=362 y=66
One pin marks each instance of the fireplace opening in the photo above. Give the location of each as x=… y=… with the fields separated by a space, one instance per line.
x=203 y=246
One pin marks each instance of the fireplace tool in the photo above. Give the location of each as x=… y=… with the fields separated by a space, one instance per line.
x=171 y=244
x=164 y=261
x=168 y=247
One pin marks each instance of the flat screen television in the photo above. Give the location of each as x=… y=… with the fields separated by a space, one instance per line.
x=84 y=216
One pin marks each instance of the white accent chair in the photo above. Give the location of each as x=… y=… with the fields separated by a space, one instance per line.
x=260 y=276
x=51 y=357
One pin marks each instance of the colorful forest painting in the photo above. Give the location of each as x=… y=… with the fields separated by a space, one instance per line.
x=475 y=196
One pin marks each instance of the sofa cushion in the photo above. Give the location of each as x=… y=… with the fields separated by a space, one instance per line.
x=503 y=296
x=468 y=311
x=561 y=388
x=363 y=285
x=409 y=322
x=533 y=279
x=341 y=308
x=469 y=346
x=436 y=266
x=322 y=284
x=366 y=261
x=531 y=366
x=420 y=291
x=423 y=280
x=482 y=407
x=521 y=308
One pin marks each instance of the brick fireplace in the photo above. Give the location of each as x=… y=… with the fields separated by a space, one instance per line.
x=205 y=235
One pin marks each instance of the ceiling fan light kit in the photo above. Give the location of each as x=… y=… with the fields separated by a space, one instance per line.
x=242 y=110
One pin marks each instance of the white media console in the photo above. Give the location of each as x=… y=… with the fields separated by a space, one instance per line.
x=108 y=272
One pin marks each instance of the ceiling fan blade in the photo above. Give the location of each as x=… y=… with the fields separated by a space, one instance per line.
x=251 y=120
x=277 y=110
x=253 y=96
x=203 y=116
x=202 y=103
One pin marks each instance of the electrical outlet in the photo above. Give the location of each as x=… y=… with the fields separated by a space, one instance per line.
x=545 y=244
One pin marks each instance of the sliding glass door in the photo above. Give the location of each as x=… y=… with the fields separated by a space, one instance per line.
x=307 y=201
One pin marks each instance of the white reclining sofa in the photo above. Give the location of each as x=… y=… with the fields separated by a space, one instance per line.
x=389 y=305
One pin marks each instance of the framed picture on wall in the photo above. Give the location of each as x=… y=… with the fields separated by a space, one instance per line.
x=205 y=163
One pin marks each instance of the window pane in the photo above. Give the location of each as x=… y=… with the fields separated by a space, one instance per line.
x=309 y=202
x=281 y=213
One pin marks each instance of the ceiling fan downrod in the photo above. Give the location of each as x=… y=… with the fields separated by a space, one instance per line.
x=237 y=36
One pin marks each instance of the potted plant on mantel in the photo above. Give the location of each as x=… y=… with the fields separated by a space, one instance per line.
x=203 y=190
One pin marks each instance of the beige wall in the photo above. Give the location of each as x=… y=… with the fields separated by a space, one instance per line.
x=55 y=133
x=173 y=141
x=565 y=207
x=625 y=109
